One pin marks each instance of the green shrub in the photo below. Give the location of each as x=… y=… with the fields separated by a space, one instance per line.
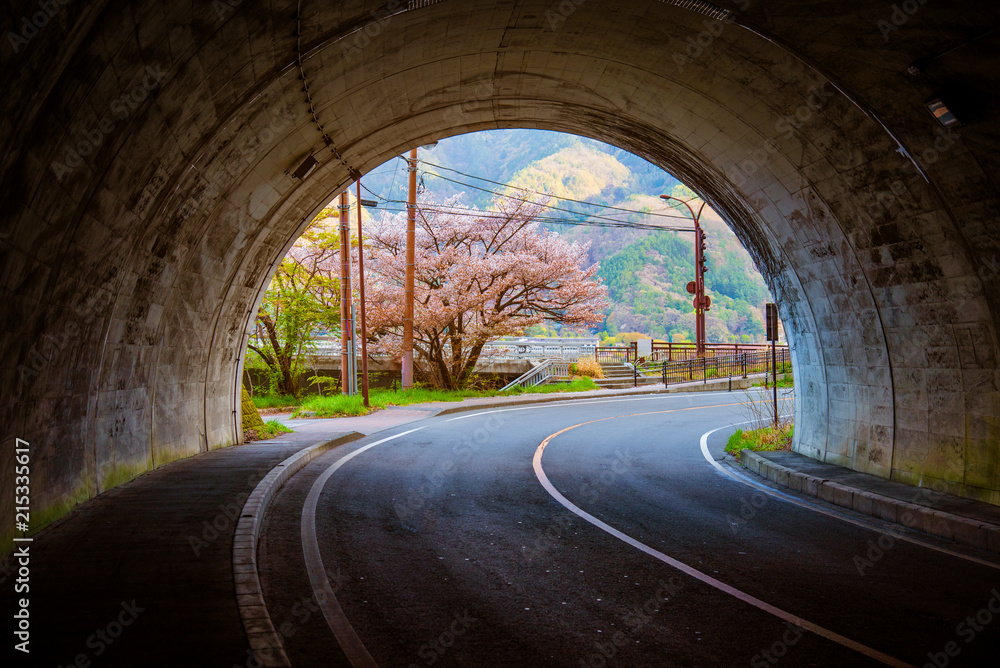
x=765 y=439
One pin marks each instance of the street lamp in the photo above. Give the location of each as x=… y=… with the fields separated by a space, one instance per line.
x=702 y=303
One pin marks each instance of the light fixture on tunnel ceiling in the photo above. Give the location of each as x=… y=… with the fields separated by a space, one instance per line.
x=939 y=110
x=306 y=168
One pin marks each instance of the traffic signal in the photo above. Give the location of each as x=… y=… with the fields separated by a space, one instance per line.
x=704 y=256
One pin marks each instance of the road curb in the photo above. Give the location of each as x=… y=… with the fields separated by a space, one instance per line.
x=265 y=642
x=545 y=400
x=712 y=386
x=963 y=530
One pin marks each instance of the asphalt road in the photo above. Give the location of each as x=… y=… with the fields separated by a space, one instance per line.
x=443 y=546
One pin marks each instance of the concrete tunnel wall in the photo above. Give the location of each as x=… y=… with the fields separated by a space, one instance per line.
x=131 y=271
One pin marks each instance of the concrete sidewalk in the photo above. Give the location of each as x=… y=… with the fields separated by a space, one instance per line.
x=956 y=518
x=142 y=575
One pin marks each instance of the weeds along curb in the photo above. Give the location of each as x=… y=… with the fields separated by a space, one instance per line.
x=265 y=642
x=964 y=530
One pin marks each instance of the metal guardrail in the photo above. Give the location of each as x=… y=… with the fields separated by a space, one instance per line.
x=719 y=366
x=616 y=354
x=572 y=350
x=671 y=352
x=540 y=375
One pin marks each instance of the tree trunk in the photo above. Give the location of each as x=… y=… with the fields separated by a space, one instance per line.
x=282 y=359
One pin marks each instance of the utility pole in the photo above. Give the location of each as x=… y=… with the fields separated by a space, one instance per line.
x=361 y=288
x=346 y=321
x=411 y=226
x=701 y=301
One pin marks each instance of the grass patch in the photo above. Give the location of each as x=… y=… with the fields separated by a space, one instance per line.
x=340 y=405
x=275 y=401
x=270 y=429
x=767 y=438
x=783 y=383
x=581 y=384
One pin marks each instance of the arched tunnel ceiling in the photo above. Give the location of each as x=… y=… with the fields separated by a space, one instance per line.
x=147 y=196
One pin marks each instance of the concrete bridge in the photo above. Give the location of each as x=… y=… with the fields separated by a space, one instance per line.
x=149 y=190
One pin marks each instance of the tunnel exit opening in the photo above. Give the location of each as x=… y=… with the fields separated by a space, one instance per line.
x=171 y=229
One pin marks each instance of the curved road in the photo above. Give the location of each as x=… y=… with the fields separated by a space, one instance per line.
x=597 y=533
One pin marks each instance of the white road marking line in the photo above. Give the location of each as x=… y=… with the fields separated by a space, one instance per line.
x=703 y=577
x=346 y=636
x=896 y=535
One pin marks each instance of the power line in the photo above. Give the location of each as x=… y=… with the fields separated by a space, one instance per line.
x=591 y=220
x=487 y=215
x=528 y=201
x=535 y=192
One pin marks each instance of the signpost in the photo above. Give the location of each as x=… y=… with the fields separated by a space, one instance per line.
x=771 y=316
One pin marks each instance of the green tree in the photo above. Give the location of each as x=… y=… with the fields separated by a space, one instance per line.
x=302 y=300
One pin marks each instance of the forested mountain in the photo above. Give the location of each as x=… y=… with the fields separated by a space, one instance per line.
x=646 y=271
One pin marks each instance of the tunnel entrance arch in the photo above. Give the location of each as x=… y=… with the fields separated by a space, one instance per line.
x=155 y=242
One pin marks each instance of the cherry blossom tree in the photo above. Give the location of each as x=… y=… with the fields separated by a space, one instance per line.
x=478 y=275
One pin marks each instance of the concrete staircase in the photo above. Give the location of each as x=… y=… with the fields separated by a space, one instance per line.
x=618 y=376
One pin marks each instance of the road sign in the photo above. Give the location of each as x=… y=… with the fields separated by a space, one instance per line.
x=692 y=287
x=369 y=202
x=771 y=313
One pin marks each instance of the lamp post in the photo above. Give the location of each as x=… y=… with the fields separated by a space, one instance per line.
x=702 y=303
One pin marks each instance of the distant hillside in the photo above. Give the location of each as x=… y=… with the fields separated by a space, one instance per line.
x=646 y=272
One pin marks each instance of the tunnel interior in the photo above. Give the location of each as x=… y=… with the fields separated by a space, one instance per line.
x=149 y=195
